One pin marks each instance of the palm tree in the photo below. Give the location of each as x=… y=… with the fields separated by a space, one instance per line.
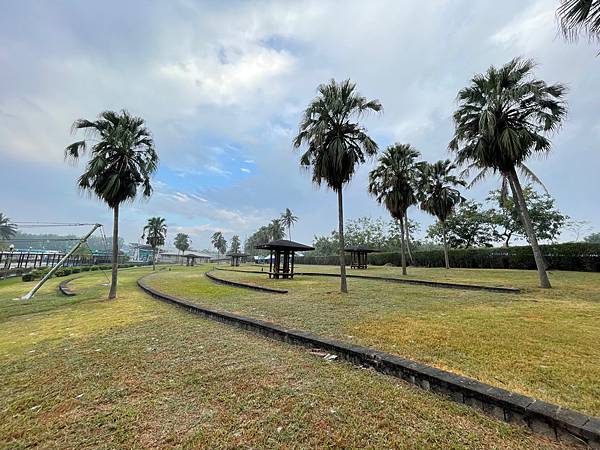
x=393 y=183
x=503 y=118
x=7 y=229
x=336 y=142
x=219 y=242
x=122 y=160
x=182 y=242
x=288 y=219
x=155 y=233
x=235 y=244
x=438 y=194
x=578 y=17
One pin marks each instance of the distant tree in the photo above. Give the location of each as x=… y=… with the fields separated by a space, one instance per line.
x=336 y=143
x=219 y=242
x=593 y=238
x=259 y=237
x=394 y=236
x=122 y=160
x=502 y=120
x=288 y=219
x=155 y=233
x=393 y=183
x=579 y=17
x=235 y=244
x=276 y=230
x=366 y=231
x=579 y=227
x=469 y=226
x=182 y=242
x=439 y=196
x=327 y=245
x=7 y=229
x=547 y=221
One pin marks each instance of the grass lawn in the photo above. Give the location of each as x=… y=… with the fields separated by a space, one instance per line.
x=84 y=372
x=542 y=343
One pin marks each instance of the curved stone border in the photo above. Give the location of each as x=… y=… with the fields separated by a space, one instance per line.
x=543 y=418
x=244 y=285
x=64 y=289
x=439 y=284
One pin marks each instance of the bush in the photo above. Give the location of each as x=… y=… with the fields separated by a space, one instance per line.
x=331 y=260
x=582 y=257
x=573 y=256
x=94 y=268
x=30 y=276
x=75 y=269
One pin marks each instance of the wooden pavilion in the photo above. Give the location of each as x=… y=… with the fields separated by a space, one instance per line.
x=359 y=255
x=236 y=258
x=281 y=260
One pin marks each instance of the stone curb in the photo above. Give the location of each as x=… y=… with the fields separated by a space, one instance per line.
x=541 y=417
x=245 y=286
x=440 y=284
x=64 y=289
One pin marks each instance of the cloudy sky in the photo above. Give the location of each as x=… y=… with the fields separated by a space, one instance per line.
x=222 y=86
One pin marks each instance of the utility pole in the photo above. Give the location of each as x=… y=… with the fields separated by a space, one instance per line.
x=60 y=263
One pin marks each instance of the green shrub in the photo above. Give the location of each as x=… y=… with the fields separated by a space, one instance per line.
x=75 y=269
x=94 y=268
x=30 y=276
x=573 y=256
x=579 y=256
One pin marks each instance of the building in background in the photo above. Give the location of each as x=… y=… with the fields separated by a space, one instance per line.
x=139 y=252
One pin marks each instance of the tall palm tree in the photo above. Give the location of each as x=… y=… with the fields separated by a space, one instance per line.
x=219 y=242
x=504 y=118
x=7 y=229
x=393 y=183
x=336 y=143
x=182 y=242
x=122 y=160
x=578 y=17
x=155 y=233
x=438 y=194
x=235 y=244
x=288 y=219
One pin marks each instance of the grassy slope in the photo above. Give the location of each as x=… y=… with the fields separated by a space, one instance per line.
x=540 y=343
x=83 y=372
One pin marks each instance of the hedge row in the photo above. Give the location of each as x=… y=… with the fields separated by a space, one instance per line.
x=64 y=271
x=575 y=256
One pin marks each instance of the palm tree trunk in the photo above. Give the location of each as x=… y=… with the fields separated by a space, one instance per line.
x=154 y=259
x=115 y=254
x=402 y=247
x=343 y=284
x=406 y=233
x=446 y=258
x=537 y=252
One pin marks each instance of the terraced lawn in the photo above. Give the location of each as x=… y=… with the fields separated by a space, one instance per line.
x=84 y=372
x=542 y=343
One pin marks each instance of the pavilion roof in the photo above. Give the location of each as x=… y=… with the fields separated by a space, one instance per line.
x=361 y=248
x=284 y=244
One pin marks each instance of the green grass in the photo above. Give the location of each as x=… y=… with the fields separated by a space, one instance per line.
x=84 y=372
x=542 y=343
